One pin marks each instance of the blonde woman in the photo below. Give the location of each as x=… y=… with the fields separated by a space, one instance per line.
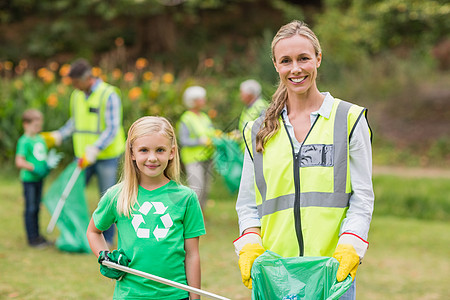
x=306 y=187
x=159 y=221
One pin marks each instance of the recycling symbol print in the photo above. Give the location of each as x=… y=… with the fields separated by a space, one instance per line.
x=139 y=223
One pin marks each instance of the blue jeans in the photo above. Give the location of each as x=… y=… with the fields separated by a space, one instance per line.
x=106 y=171
x=32 y=192
x=350 y=294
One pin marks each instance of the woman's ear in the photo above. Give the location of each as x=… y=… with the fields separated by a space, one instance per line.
x=275 y=65
x=319 y=59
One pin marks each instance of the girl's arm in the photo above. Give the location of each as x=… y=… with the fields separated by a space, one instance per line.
x=193 y=272
x=96 y=239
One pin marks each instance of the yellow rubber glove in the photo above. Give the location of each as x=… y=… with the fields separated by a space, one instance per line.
x=247 y=256
x=51 y=138
x=348 y=261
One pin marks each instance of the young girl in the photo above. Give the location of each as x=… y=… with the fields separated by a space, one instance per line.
x=159 y=221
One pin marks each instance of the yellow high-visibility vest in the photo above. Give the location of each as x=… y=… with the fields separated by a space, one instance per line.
x=199 y=125
x=89 y=119
x=251 y=113
x=302 y=198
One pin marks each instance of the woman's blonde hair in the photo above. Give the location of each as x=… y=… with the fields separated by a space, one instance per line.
x=271 y=125
x=131 y=175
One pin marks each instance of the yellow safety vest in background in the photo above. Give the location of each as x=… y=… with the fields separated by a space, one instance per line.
x=89 y=118
x=199 y=126
x=302 y=198
x=252 y=113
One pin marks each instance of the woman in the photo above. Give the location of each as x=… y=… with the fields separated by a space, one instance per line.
x=195 y=131
x=306 y=187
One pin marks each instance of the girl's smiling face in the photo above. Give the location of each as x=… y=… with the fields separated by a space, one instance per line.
x=296 y=63
x=152 y=153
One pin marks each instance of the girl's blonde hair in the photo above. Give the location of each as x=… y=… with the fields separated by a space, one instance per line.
x=130 y=178
x=271 y=125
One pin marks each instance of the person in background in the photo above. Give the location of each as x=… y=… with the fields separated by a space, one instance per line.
x=34 y=162
x=95 y=125
x=195 y=131
x=149 y=194
x=250 y=92
x=306 y=187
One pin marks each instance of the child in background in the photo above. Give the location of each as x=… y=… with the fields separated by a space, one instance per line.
x=34 y=163
x=158 y=220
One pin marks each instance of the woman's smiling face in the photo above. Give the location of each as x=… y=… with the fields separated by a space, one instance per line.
x=296 y=62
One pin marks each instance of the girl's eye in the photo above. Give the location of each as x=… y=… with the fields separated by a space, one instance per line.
x=160 y=150
x=284 y=60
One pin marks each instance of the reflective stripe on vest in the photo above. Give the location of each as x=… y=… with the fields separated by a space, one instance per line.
x=289 y=206
x=89 y=119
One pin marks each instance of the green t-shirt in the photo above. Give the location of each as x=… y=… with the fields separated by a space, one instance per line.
x=34 y=150
x=153 y=237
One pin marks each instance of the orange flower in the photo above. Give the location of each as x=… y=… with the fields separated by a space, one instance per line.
x=134 y=93
x=46 y=75
x=52 y=100
x=23 y=63
x=18 y=69
x=64 y=70
x=119 y=42
x=209 y=62
x=167 y=78
x=96 y=71
x=53 y=66
x=8 y=65
x=141 y=63
x=147 y=76
x=66 y=80
x=212 y=113
x=129 y=76
x=42 y=72
x=116 y=74
x=49 y=77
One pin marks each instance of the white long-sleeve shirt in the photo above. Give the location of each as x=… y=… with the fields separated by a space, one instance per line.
x=359 y=214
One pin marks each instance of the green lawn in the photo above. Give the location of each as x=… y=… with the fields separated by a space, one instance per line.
x=407 y=259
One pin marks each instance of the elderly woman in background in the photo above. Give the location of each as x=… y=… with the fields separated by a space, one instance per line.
x=195 y=131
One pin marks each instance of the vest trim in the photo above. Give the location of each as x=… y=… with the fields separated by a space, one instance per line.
x=97 y=112
x=311 y=199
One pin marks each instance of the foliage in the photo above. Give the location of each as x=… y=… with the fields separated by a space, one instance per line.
x=144 y=92
x=355 y=30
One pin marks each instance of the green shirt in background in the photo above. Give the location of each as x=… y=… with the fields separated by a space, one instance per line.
x=34 y=150
x=153 y=237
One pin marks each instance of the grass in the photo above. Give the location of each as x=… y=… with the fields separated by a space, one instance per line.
x=407 y=258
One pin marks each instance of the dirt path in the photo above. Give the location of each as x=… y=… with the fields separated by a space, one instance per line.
x=412 y=172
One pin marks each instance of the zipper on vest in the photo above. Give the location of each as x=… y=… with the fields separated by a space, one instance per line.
x=297 y=213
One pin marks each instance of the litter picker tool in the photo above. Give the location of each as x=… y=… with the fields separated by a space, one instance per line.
x=59 y=206
x=163 y=280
